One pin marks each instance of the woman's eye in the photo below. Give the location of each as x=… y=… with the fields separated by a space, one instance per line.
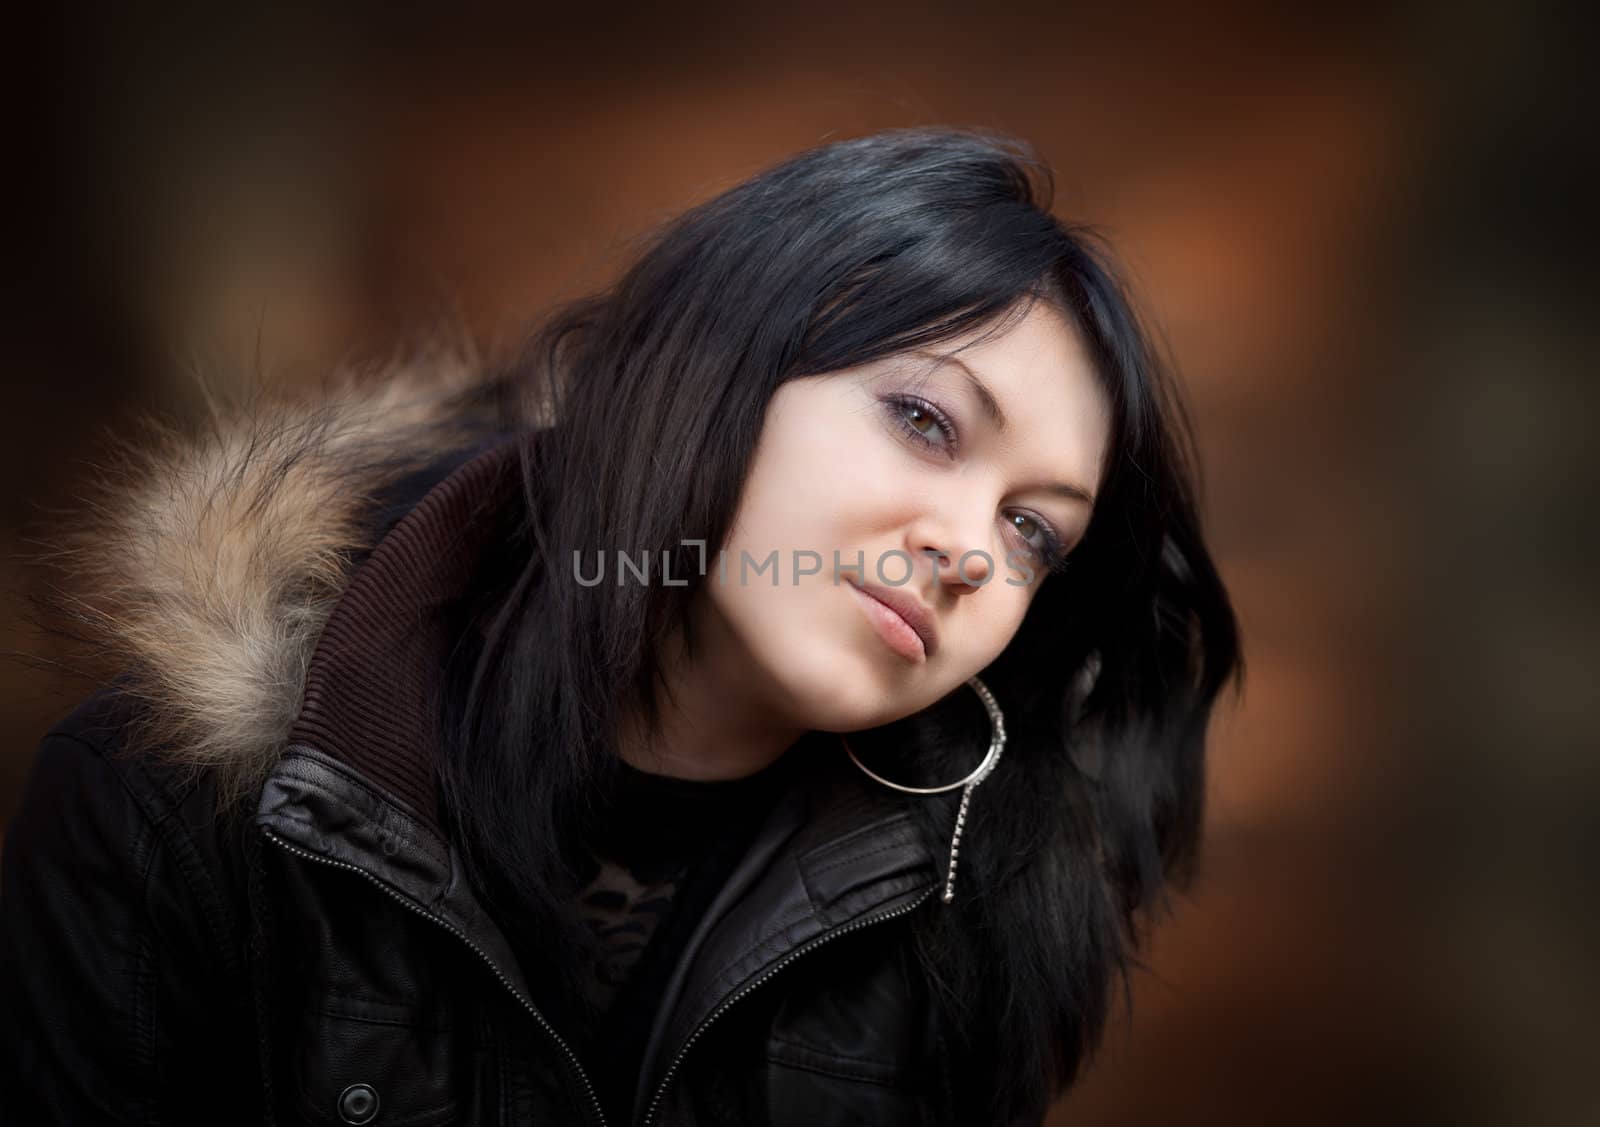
x=1038 y=537
x=921 y=421
x=924 y=423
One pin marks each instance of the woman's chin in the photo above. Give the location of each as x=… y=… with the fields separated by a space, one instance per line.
x=850 y=693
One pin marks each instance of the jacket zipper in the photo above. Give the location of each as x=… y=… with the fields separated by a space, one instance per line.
x=666 y=1080
x=594 y=1102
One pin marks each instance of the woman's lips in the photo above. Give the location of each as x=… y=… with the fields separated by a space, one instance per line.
x=900 y=621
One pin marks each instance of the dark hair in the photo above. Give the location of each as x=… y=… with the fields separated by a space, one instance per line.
x=841 y=255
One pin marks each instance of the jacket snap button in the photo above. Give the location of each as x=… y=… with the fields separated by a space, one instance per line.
x=358 y=1103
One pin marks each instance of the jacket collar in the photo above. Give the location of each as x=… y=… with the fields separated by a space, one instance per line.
x=368 y=688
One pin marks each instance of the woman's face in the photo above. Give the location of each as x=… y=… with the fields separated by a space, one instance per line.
x=900 y=469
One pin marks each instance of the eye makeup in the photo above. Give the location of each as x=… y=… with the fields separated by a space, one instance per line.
x=910 y=411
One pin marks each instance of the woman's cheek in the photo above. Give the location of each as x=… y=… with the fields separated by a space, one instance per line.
x=1010 y=606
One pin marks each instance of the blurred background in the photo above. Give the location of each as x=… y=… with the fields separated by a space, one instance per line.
x=1363 y=232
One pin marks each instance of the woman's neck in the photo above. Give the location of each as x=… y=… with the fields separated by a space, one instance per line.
x=714 y=723
x=688 y=749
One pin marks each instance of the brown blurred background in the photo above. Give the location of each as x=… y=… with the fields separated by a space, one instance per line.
x=1362 y=233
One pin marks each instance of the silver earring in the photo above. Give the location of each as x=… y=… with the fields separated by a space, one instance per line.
x=997 y=743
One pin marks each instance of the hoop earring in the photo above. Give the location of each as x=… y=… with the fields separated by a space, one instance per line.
x=997 y=743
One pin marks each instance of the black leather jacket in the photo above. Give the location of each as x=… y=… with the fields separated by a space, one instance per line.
x=321 y=959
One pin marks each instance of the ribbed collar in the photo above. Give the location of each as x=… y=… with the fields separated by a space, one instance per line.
x=368 y=695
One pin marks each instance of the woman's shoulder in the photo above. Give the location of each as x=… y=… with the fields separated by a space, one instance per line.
x=114 y=736
x=102 y=782
x=113 y=841
x=124 y=921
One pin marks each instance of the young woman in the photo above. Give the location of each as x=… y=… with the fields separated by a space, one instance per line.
x=778 y=697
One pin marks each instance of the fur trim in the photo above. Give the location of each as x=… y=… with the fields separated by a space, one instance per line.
x=213 y=558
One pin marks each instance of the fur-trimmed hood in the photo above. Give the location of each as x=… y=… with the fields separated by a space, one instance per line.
x=213 y=555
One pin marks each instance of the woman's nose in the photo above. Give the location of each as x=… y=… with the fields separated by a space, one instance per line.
x=959 y=552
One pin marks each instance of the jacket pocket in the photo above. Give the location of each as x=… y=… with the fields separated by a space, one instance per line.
x=848 y=1039
x=359 y=1062
x=809 y=1088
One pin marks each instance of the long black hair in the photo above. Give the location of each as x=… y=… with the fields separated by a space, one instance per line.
x=651 y=398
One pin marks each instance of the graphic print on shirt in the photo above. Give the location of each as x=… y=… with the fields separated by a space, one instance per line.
x=623 y=911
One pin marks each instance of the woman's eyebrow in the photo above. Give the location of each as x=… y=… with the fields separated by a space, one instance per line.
x=986 y=399
x=1074 y=492
x=991 y=408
